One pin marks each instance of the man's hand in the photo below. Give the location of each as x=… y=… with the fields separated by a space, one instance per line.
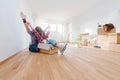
x=22 y=15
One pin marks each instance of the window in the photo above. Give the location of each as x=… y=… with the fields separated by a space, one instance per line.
x=60 y=28
x=57 y=31
x=44 y=25
x=70 y=32
x=52 y=27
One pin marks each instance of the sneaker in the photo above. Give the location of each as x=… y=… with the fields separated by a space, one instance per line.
x=63 y=49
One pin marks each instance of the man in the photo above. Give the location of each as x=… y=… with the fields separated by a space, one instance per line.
x=38 y=35
x=108 y=27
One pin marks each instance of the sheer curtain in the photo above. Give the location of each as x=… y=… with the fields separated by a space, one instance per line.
x=57 y=31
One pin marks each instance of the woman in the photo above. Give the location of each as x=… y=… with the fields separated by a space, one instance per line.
x=38 y=35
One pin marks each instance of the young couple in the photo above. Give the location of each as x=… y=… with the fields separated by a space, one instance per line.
x=38 y=35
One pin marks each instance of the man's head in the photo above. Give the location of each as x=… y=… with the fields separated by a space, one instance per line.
x=108 y=27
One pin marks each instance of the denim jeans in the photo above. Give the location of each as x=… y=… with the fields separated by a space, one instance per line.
x=53 y=42
x=33 y=48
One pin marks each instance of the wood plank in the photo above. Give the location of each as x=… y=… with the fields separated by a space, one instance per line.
x=115 y=47
x=75 y=64
x=7 y=59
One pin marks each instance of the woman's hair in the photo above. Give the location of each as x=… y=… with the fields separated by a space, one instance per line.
x=40 y=31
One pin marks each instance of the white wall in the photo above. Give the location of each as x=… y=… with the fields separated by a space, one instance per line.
x=114 y=17
x=108 y=12
x=92 y=25
x=75 y=24
x=13 y=36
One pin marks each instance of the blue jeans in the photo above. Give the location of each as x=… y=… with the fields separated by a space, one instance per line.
x=33 y=48
x=53 y=42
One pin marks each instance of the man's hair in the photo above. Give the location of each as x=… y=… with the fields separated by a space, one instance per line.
x=109 y=26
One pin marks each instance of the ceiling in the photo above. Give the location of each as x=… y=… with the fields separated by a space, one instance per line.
x=64 y=9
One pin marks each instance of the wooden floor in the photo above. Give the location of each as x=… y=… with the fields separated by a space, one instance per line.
x=75 y=64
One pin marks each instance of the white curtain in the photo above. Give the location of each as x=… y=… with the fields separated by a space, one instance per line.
x=57 y=31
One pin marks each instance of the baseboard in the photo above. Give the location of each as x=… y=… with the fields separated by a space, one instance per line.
x=2 y=62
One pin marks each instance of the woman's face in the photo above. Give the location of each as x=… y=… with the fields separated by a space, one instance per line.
x=41 y=32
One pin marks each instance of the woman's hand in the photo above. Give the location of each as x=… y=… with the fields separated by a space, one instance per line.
x=23 y=16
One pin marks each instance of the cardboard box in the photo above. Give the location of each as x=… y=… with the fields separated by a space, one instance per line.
x=51 y=51
x=114 y=38
x=47 y=48
x=101 y=31
x=102 y=38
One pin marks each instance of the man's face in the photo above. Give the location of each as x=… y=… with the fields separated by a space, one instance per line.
x=105 y=27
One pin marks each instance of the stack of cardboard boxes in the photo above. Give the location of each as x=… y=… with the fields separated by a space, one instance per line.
x=109 y=40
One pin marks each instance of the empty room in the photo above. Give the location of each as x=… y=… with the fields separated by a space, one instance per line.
x=59 y=40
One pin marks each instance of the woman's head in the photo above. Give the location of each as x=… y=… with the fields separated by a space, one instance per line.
x=41 y=32
x=39 y=29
